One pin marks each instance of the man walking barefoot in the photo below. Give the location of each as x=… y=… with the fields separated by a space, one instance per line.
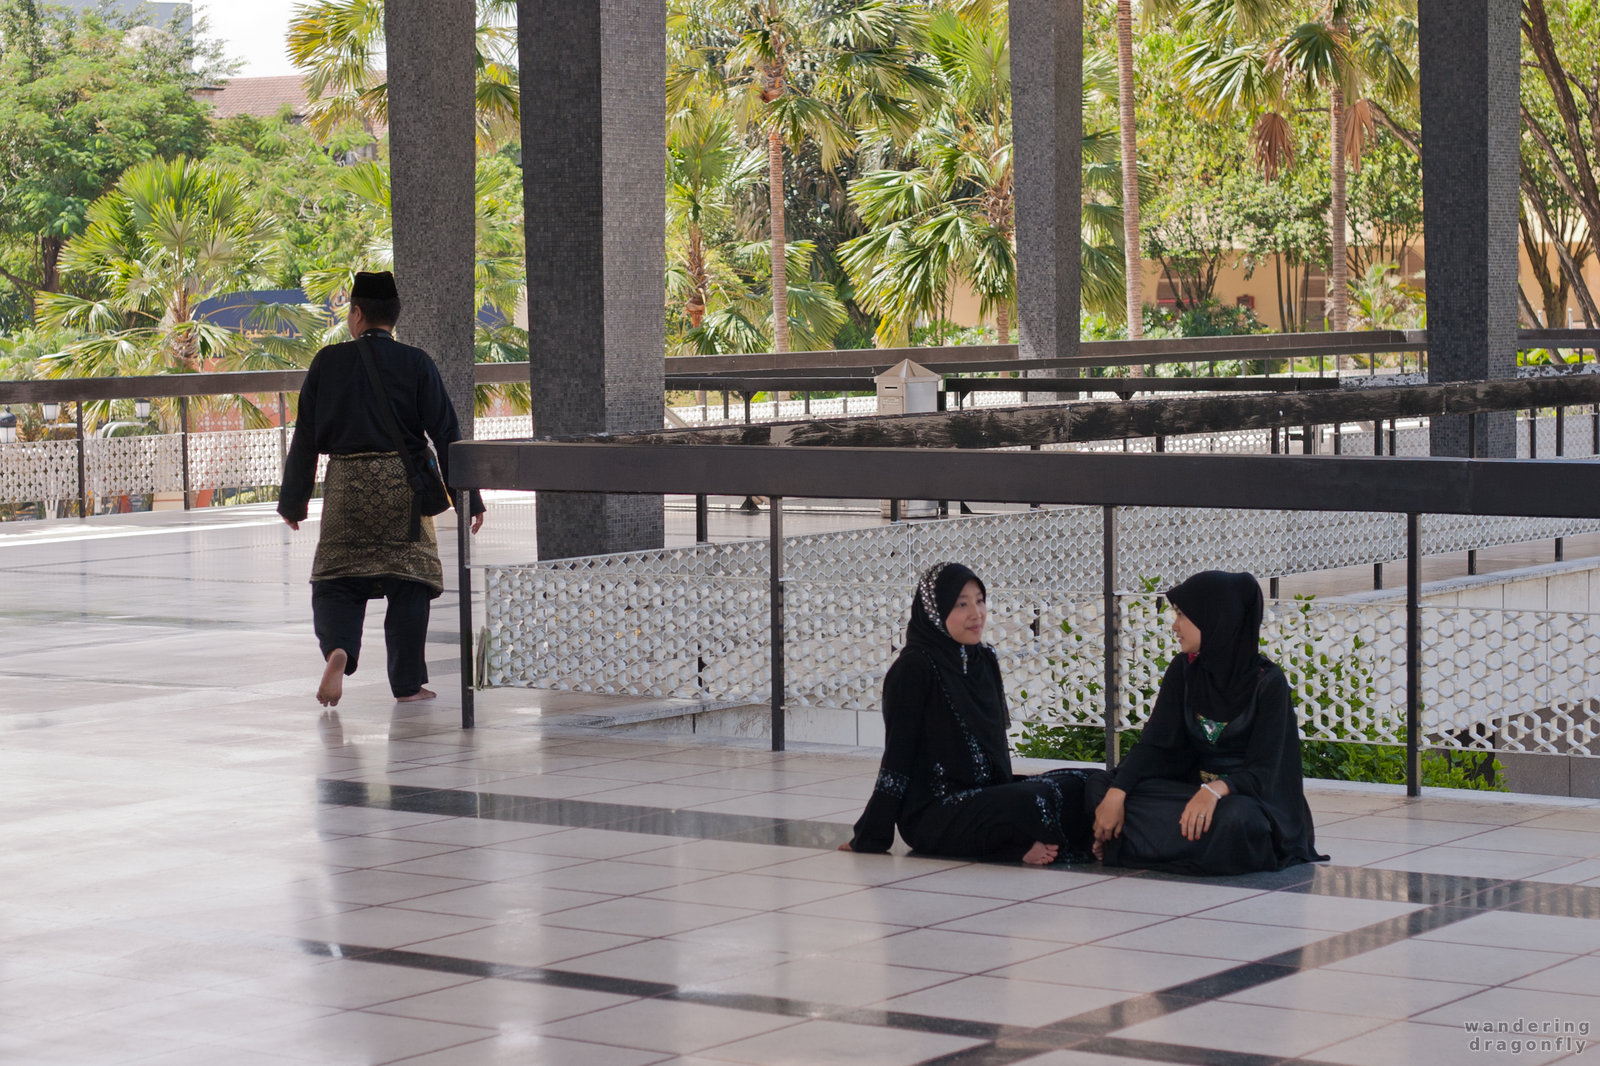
x=373 y=543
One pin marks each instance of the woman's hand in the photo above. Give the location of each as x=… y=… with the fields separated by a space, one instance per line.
x=1197 y=813
x=1108 y=816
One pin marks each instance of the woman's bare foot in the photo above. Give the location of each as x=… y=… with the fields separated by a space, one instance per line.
x=331 y=689
x=1041 y=854
x=420 y=694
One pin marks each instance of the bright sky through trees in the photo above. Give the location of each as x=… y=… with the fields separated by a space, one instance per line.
x=251 y=32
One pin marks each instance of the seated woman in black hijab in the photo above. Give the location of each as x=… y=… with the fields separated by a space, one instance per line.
x=946 y=777
x=1213 y=786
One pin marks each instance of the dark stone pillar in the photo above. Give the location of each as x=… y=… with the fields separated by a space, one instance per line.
x=593 y=145
x=1047 y=119
x=432 y=158
x=1470 y=51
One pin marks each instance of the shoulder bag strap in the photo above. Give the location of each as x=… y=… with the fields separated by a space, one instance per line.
x=392 y=424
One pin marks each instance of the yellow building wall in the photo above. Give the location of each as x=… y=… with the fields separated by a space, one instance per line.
x=1261 y=286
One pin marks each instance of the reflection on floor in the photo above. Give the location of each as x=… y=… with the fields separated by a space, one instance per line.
x=199 y=867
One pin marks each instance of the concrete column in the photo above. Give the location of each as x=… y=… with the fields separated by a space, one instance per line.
x=1047 y=120
x=432 y=156
x=1470 y=51
x=593 y=141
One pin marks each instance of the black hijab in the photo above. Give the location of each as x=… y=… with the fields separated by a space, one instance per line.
x=970 y=675
x=1227 y=608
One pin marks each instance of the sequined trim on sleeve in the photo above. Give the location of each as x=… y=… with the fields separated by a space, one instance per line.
x=891 y=783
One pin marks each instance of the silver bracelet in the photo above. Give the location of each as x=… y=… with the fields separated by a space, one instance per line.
x=1207 y=786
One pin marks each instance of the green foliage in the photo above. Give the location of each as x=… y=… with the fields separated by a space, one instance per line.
x=1335 y=760
x=304 y=186
x=338 y=46
x=1206 y=318
x=1073 y=743
x=1345 y=674
x=169 y=236
x=81 y=101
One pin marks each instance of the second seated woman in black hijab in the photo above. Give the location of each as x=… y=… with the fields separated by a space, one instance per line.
x=946 y=778
x=1213 y=786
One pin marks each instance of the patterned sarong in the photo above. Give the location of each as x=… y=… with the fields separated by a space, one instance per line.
x=366 y=519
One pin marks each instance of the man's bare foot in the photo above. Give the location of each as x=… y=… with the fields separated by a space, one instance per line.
x=331 y=689
x=420 y=694
x=1041 y=854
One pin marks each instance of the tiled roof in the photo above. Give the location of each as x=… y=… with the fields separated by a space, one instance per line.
x=261 y=97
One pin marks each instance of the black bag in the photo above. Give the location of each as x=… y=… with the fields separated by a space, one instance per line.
x=429 y=496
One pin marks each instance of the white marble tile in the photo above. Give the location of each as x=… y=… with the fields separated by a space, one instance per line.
x=832 y=980
x=1006 y=1002
x=1251 y=1029
x=1346 y=992
x=1509 y=929
x=657 y=1025
x=824 y=1043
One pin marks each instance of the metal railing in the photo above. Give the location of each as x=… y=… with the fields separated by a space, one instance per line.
x=1412 y=487
x=747 y=374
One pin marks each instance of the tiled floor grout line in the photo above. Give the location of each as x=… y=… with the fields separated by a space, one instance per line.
x=1449 y=900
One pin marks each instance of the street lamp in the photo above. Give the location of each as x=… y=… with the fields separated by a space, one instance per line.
x=50 y=410
x=141 y=408
x=8 y=427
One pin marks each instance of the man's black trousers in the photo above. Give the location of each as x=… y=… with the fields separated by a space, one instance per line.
x=339 y=608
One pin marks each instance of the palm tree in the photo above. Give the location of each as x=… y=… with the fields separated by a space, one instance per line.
x=795 y=71
x=1247 y=60
x=168 y=237
x=707 y=169
x=951 y=213
x=338 y=44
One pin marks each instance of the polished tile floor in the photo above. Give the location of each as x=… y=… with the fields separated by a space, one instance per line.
x=200 y=867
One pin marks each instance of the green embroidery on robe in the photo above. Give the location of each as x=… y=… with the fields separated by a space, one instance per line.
x=1211 y=729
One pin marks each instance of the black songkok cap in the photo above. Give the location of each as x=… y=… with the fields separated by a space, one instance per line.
x=374 y=285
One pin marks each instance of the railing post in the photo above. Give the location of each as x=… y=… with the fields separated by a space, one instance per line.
x=83 y=480
x=1308 y=443
x=775 y=552
x=1533 y=433
x=1394 y=438
x=702 y=522
x=283 y=430
x=183 y=446
x=1113 y=628
x=746 y=397
x=1413 y=654
x=464 y=594
x=1472 y=453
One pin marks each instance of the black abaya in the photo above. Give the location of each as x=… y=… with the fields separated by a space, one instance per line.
x=1246 y=737
x=945 y=779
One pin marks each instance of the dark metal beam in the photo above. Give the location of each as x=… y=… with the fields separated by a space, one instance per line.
x=1124 y=385
x=1002 y=427
x=1554 y=488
